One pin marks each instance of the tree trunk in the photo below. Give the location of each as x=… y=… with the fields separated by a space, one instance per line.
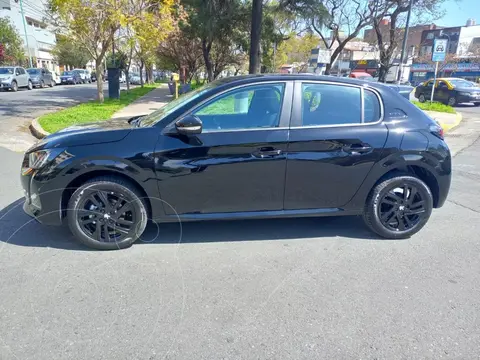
x=206 y=47
x=255 y=35
x=99 y=72
x=141 y=74
x=328 y=68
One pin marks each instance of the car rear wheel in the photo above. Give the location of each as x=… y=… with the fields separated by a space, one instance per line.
x=452 y=101
x=421 y=98
x=14 y=86
x=107 y=213
x=476 y=104
x=398 y=207
x=52 y=83
x=42 y=84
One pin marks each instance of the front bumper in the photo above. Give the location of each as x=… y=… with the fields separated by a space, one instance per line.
x=36 y=82
x=467 y=98
x=5 y=85
x=41 y=202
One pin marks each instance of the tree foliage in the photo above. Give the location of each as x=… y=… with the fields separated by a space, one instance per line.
x=66 y=52
x=213 y=22
x=11 y=41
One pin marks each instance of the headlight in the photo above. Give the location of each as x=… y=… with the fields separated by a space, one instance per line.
x=7 y=79
x=69 y=78
x=37 y=159
x=465 y=93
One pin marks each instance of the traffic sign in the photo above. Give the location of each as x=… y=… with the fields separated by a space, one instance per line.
x=439 y=49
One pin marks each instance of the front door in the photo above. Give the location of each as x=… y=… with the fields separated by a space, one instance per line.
x=442 y=92
x=332 y=144
x=237 y=163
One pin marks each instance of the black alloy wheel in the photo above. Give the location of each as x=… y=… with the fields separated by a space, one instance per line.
x=106 y=216
x=107 y=213
x=402 y=208
x=398 y=207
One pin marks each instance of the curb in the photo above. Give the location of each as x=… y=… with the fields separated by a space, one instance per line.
x=458 y=120
x=37 y=130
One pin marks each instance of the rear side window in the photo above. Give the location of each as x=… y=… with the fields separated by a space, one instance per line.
x=328 y=104
x=371 y=106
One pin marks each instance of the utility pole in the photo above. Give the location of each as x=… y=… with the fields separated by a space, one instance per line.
x=25 y=29
x=404 y=43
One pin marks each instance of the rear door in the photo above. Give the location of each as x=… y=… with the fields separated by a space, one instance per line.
x=336 y=136
x=442 y=92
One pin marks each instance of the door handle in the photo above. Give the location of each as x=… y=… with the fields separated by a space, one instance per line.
x=267 y=152
x=357 y=149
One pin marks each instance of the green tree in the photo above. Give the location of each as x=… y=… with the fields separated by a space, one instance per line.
x=91 y=25
x=214 y=22
x=66 y=52
x=13 y=51
x=297 y=50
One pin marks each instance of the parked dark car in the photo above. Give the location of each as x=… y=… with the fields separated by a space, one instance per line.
x=93 y=76
x=41 y=77
x=240 y=148
x=70 y=77
x=451 y=91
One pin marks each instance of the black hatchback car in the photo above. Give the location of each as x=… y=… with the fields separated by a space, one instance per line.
x=245 y=147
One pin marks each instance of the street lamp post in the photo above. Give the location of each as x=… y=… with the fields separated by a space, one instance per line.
x=25 y=29
x=404 y=43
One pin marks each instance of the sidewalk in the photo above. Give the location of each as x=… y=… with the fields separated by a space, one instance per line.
x=154 y=100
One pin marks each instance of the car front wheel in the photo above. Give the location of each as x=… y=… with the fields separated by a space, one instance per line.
x=452 y=101
x=14 y=86
x=30 y=85
x=398 y=207
x=421 y=98
x=107 y=213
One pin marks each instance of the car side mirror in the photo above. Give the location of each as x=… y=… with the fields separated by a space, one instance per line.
x=189 y=125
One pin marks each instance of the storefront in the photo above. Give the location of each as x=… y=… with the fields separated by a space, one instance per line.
x=422 y=72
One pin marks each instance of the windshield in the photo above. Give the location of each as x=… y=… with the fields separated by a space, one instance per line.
x=461 y=83
x=68 y=73
x=6 y=70
x=173 y=105
x=33 y=71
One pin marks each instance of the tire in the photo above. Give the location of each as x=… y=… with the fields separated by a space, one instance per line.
x=30 y=85
x=421 y=98
x=91 y=225
x=52 y=83
x=452 y=101
x=14 y=86
x=381 y=207
x=42 y=84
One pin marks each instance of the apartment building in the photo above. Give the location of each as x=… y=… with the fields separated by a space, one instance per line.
x=39 y=39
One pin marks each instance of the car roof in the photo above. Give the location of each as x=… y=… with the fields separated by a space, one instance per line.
x=247 y=79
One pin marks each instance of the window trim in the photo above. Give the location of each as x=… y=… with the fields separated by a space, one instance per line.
x=285 y=111
x=297 y=104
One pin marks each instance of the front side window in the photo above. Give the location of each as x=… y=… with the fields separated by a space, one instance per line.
x=328 y=104
x=249 y=107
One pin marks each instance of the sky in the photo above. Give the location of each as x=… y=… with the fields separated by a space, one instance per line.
x=457 y=12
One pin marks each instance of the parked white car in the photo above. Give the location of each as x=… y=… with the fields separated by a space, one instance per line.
x=56 y=78
x=84 y=75
x=14 y=77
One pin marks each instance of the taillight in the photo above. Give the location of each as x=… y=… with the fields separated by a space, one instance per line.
x=437 y=130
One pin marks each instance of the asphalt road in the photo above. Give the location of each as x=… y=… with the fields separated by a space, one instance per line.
x=18 y=109
x=279 y=289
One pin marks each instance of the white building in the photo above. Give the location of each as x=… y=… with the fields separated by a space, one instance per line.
x=39 y=37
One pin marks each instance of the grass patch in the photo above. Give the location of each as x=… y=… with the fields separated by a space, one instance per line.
x=435 y=106
x=91 y=111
